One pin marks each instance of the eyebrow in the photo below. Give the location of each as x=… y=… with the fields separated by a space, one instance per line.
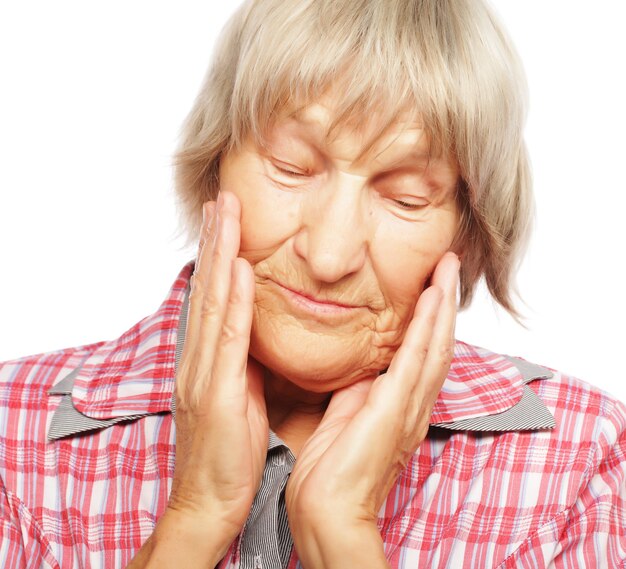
x=410 y=157
x=302 y=117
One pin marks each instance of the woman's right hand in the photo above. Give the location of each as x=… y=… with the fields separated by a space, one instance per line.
x=221 y=420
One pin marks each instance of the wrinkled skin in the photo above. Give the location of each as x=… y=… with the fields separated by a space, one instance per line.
x=335 y=229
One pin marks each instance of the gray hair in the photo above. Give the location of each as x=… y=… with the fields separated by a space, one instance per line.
x=449 y=62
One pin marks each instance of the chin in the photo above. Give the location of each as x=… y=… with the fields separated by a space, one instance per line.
x=318 y=364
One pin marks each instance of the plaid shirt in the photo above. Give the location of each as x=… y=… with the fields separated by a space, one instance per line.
x=523 y=466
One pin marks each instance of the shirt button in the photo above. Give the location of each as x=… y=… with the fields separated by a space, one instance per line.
x=258 y=564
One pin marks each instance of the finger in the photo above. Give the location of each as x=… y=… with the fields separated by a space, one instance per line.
x=199 y=278
x=441 y=349
x=407 y=363
x=214 y=300
x=229 y=383
x=187 y=368
x=446 y=277
x=208 y=212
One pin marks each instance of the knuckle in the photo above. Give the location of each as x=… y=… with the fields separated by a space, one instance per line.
x=218 y=256
x=210 y=307
x=230 y=333
x=421 y=352
x=187 y=381
x=193 y=284
x=201 y=244
x=421 y=430
x=237 y=296
x=196 y=287
x=203 y=239
x=445 y=353
x=416 y=430
x=408 y=431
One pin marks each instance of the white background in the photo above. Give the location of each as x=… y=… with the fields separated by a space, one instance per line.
x=92 y=96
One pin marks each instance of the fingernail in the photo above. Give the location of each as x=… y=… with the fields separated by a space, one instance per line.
x=226 y=203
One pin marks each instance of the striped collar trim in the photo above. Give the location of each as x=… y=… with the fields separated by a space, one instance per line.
x=529 y=413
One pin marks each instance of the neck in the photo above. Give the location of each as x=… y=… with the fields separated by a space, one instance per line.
x=293 y=413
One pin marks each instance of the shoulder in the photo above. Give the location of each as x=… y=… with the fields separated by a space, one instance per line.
x=25 y=407
x=582 y=411
x=590 y=422
x=588 y=438
x=42 y=479
x=578 y=470
x=587 y=425
x=496 y=489
x=41 y=371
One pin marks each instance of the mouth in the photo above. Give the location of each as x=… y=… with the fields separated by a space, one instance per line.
x=313 y=305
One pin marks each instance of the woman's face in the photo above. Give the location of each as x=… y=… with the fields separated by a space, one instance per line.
x=341 y=248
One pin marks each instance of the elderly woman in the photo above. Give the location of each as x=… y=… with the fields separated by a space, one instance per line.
x=299 y=399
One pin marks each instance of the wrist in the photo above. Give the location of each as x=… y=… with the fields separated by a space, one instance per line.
x=184 y=539
x=333 y=544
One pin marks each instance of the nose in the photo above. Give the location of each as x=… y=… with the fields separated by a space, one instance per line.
x=333 y=237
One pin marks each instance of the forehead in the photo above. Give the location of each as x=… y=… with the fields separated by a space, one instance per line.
x=372 y=137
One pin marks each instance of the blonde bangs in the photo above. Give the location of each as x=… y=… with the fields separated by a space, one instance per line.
x=376 y=76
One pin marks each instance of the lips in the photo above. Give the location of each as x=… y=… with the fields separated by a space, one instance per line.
x=310 y=304
x=317 y=300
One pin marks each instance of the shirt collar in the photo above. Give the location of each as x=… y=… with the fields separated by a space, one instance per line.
x=134 y=375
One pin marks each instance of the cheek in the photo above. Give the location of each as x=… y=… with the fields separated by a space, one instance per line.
x=267 y=221
x=405 y=256
x=268 y=217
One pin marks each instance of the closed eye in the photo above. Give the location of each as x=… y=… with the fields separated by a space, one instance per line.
x=289 y=171
x=409 y=205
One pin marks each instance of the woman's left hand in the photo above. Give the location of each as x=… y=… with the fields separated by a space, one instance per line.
x=368 y=434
